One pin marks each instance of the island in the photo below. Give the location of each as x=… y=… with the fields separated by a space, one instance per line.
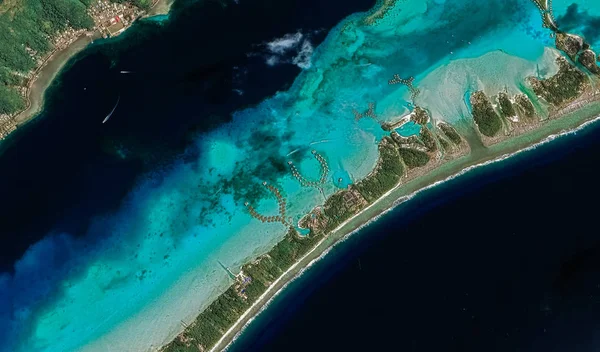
x=391 y=103
x=405 y=164
x=62 y=29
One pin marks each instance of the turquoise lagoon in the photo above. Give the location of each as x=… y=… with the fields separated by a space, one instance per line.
x=159 y=263
x=409 y=129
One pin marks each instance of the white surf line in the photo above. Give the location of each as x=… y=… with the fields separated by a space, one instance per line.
x=373 y=219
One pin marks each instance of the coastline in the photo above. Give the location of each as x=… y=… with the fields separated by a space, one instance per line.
x=45 y=74
x=344 y=230
x=568 y=124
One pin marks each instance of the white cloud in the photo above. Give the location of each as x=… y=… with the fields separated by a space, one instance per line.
x=285 y=44
x=292 y=48
x=304 y=55
x=272 y=60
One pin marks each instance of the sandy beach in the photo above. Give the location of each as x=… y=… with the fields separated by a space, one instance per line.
x=406 y=190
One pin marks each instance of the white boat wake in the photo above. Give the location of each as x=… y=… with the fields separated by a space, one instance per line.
x=112 y=111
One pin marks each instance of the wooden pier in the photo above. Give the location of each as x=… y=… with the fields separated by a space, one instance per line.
x=281 y=208
x=407 y=82
x=547 y=13
x=306 y=182
x=369 y=113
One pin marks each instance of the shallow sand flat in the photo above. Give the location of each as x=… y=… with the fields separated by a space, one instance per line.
x=493 y=73
x=479 y=158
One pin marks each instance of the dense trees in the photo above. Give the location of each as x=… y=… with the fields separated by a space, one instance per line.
x=428 y=139
x=387 y=174
x=335 y=208
x=506 y=105
x=26 y=28
x=487 y=120
x=527 y=107
x=143 y=4
x=10 y=100
x=563 y=87
x=451 y=133
x=229 y=306
x=413 y=158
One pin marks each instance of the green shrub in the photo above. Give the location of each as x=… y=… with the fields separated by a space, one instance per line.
x=485 y=117
x=413 y=158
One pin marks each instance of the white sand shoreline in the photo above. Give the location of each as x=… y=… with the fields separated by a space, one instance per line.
x=271 y=295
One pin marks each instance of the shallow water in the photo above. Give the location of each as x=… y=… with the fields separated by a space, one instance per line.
x=451 y=270
x=137 y=215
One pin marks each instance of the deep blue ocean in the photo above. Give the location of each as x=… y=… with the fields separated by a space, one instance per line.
x=66 y=166
x=504 y=258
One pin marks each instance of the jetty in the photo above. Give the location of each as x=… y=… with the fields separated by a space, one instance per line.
x=305 y=182
x=547 y=13
x=229 y=273
x=407 y=82
x=282 y=205
x=369 y=113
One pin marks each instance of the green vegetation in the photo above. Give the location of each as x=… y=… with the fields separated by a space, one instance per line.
x=143 y=4
x=386 y=175
x=428 y=139
x=563 y=87
x=588 y=59
x=10 y=100
x=569 y=44
x=451 y=133
x=526 y=106
x=413 y=158
x=281 y=257
x=220 y=315
x=444 y=144
x=420 y=116
x=336 y=209
x=485 y=117
x=25 y=29
x=506 y=105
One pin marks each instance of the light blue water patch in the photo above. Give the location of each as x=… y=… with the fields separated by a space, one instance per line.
x=409 y=129
x=579 y=17
x=467 y=100
x=303 y=232
x=373 y=127
x=158 y=18
x=157 y=264
x=341 y=179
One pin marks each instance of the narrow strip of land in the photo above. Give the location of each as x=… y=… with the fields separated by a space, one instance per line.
x=404 y=191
